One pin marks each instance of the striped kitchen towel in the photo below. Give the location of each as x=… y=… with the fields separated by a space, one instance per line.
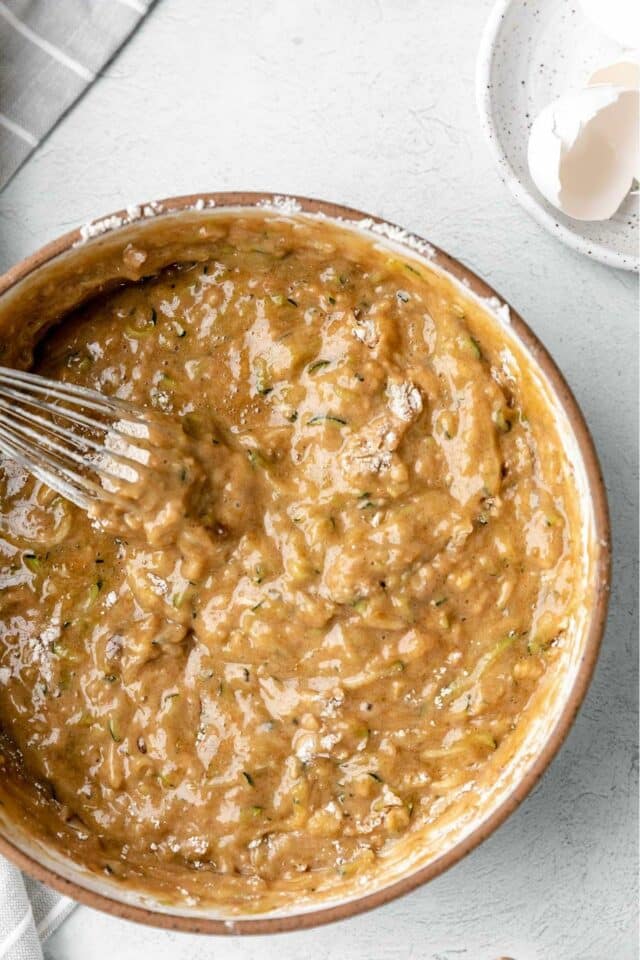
x=50 y=51
x=29 y=913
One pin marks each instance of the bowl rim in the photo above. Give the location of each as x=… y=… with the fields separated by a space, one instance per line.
x=530 y=200
x=595 y=494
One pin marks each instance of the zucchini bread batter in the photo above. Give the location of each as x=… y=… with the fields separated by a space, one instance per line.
x=363 y=560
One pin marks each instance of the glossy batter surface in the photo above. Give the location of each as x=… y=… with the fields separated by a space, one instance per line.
x=339 y=609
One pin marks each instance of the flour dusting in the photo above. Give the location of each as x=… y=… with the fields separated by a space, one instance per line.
x=286 y=205
x=405 y=400
x=499 y=309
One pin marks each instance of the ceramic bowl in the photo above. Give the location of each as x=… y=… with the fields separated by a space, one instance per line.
x=531 y=53
x=73 y=257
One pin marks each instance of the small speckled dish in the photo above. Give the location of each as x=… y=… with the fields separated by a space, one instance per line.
x=75 y=266
x=530 y=54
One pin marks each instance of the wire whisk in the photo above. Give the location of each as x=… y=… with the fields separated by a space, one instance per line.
x=88 y=447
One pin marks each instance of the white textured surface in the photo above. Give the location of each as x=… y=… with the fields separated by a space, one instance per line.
x=372 y=104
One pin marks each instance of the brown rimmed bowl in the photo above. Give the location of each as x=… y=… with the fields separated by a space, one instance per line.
x=75 y=263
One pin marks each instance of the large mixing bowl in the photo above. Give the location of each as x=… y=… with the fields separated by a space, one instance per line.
x=69 y=270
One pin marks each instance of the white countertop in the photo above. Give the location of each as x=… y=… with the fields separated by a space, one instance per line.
x=371 y=104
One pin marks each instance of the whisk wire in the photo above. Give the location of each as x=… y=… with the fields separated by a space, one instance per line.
x=73 y=414
x=59 y=389
x=76 y=440
x=64 y=452
x=73 y=486
x=82 y=442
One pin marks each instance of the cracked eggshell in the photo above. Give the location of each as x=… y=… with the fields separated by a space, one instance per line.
x=583 y=150
x=626 y=73
x=617 y=19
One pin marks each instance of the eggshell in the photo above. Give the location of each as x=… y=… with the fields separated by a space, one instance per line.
x=617 y=19
x=626 y=73
x=583 y=150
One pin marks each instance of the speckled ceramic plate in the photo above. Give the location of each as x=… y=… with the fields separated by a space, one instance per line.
x=531 y=53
